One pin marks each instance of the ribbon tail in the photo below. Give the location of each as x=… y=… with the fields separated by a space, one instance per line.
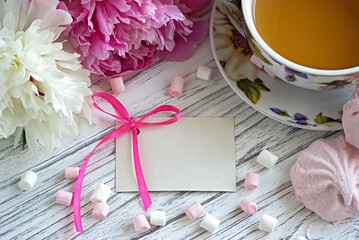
x=77 y=196
x=145 y=196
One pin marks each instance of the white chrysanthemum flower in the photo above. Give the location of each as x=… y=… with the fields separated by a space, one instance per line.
x=42 y=87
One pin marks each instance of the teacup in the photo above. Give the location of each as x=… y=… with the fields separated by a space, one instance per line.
x=289 y=71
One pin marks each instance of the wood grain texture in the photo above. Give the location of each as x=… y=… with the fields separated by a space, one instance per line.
x=35 y=215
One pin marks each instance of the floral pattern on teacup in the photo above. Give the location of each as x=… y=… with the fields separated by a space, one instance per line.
x=301 y=119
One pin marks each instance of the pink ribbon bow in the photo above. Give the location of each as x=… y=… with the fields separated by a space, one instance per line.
x=129 y=123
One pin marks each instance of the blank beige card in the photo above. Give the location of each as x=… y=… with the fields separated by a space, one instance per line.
x=193 y=154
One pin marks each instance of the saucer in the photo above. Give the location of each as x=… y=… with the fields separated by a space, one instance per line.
x=298 y=107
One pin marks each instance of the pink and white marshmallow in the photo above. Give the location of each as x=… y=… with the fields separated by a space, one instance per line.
x=248 y=206
x=204 y=73
x=101 y=194
x=158 y=218
x=117 y=85
x=254 y=59
x=63 y=198
x=267 y=223
x=176 y=87
x=194 y=211
x=28 y=180
x=251 y=181
x=267 y=159
x=72 y=172
x=100 y=211
x=141 y=223
x=269 y=72
x=210 y=223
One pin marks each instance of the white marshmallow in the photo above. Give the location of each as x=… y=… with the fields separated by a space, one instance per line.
x=204 y=73
x=267 y=159
x=267 y=223
x=158 y=218
x=298 y=238
x=210 y=223
x=28 y=180
x=101 y=193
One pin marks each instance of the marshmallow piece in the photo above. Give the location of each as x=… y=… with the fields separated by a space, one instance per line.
x=117 y=85
x=100 y=211
x=210 y=223
x=251 y=181
x=141 y=223
x=204 y=73
x=63 y=197
x=28 y=180
x=72 y=172
x=267 y=223
x=248 y=206
x=176 y=86
x=298 y=238
x=267 y=159
x=269 y=72
x=256 y=61
x=101 y=193
x=158 y=218
x=194 y=211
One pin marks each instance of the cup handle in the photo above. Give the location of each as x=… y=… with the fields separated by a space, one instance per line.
x=233 y=11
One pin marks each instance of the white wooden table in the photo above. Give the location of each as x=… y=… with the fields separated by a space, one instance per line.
x=35 y=215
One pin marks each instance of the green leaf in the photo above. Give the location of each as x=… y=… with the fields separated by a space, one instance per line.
x=237 y=3
x=250 y=89
x=320 y=119
x=260 y=85
x=257 y=51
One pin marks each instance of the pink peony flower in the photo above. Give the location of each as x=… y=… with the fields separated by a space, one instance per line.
x=119 y=37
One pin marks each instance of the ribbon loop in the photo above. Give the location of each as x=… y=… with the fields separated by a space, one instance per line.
x=129 y=123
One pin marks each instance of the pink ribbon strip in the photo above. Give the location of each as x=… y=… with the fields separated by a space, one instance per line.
x=129 y=123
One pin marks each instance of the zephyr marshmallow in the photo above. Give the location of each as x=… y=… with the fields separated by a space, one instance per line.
x=248 y=206
x=204 y=73
x=101 y=193
x=158 y=218
x=210 y=223
x=117 y=85
x=325 y=179
x=193 y=211
x=141 y=223
x=176 y=87
x=267 y=223
x=72 y=172
x=100 y=210
x=28 y=180
x=63 y=197
x=267 y=159
x=251 y=181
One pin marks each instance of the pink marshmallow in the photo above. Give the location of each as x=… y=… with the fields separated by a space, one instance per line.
x=64 y=198
x=248 y=206
x=72 y=172
x=141 y=223
x=100 y=211
x=256 y=61
x=176 y=86
x=194 y=210
x=117 y=85
x=251 y=181
x=269 y=72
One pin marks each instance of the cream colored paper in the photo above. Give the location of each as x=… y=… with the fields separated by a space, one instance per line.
x=193 y=154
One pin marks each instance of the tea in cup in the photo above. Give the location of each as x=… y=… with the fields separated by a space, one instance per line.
x=311 y=44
